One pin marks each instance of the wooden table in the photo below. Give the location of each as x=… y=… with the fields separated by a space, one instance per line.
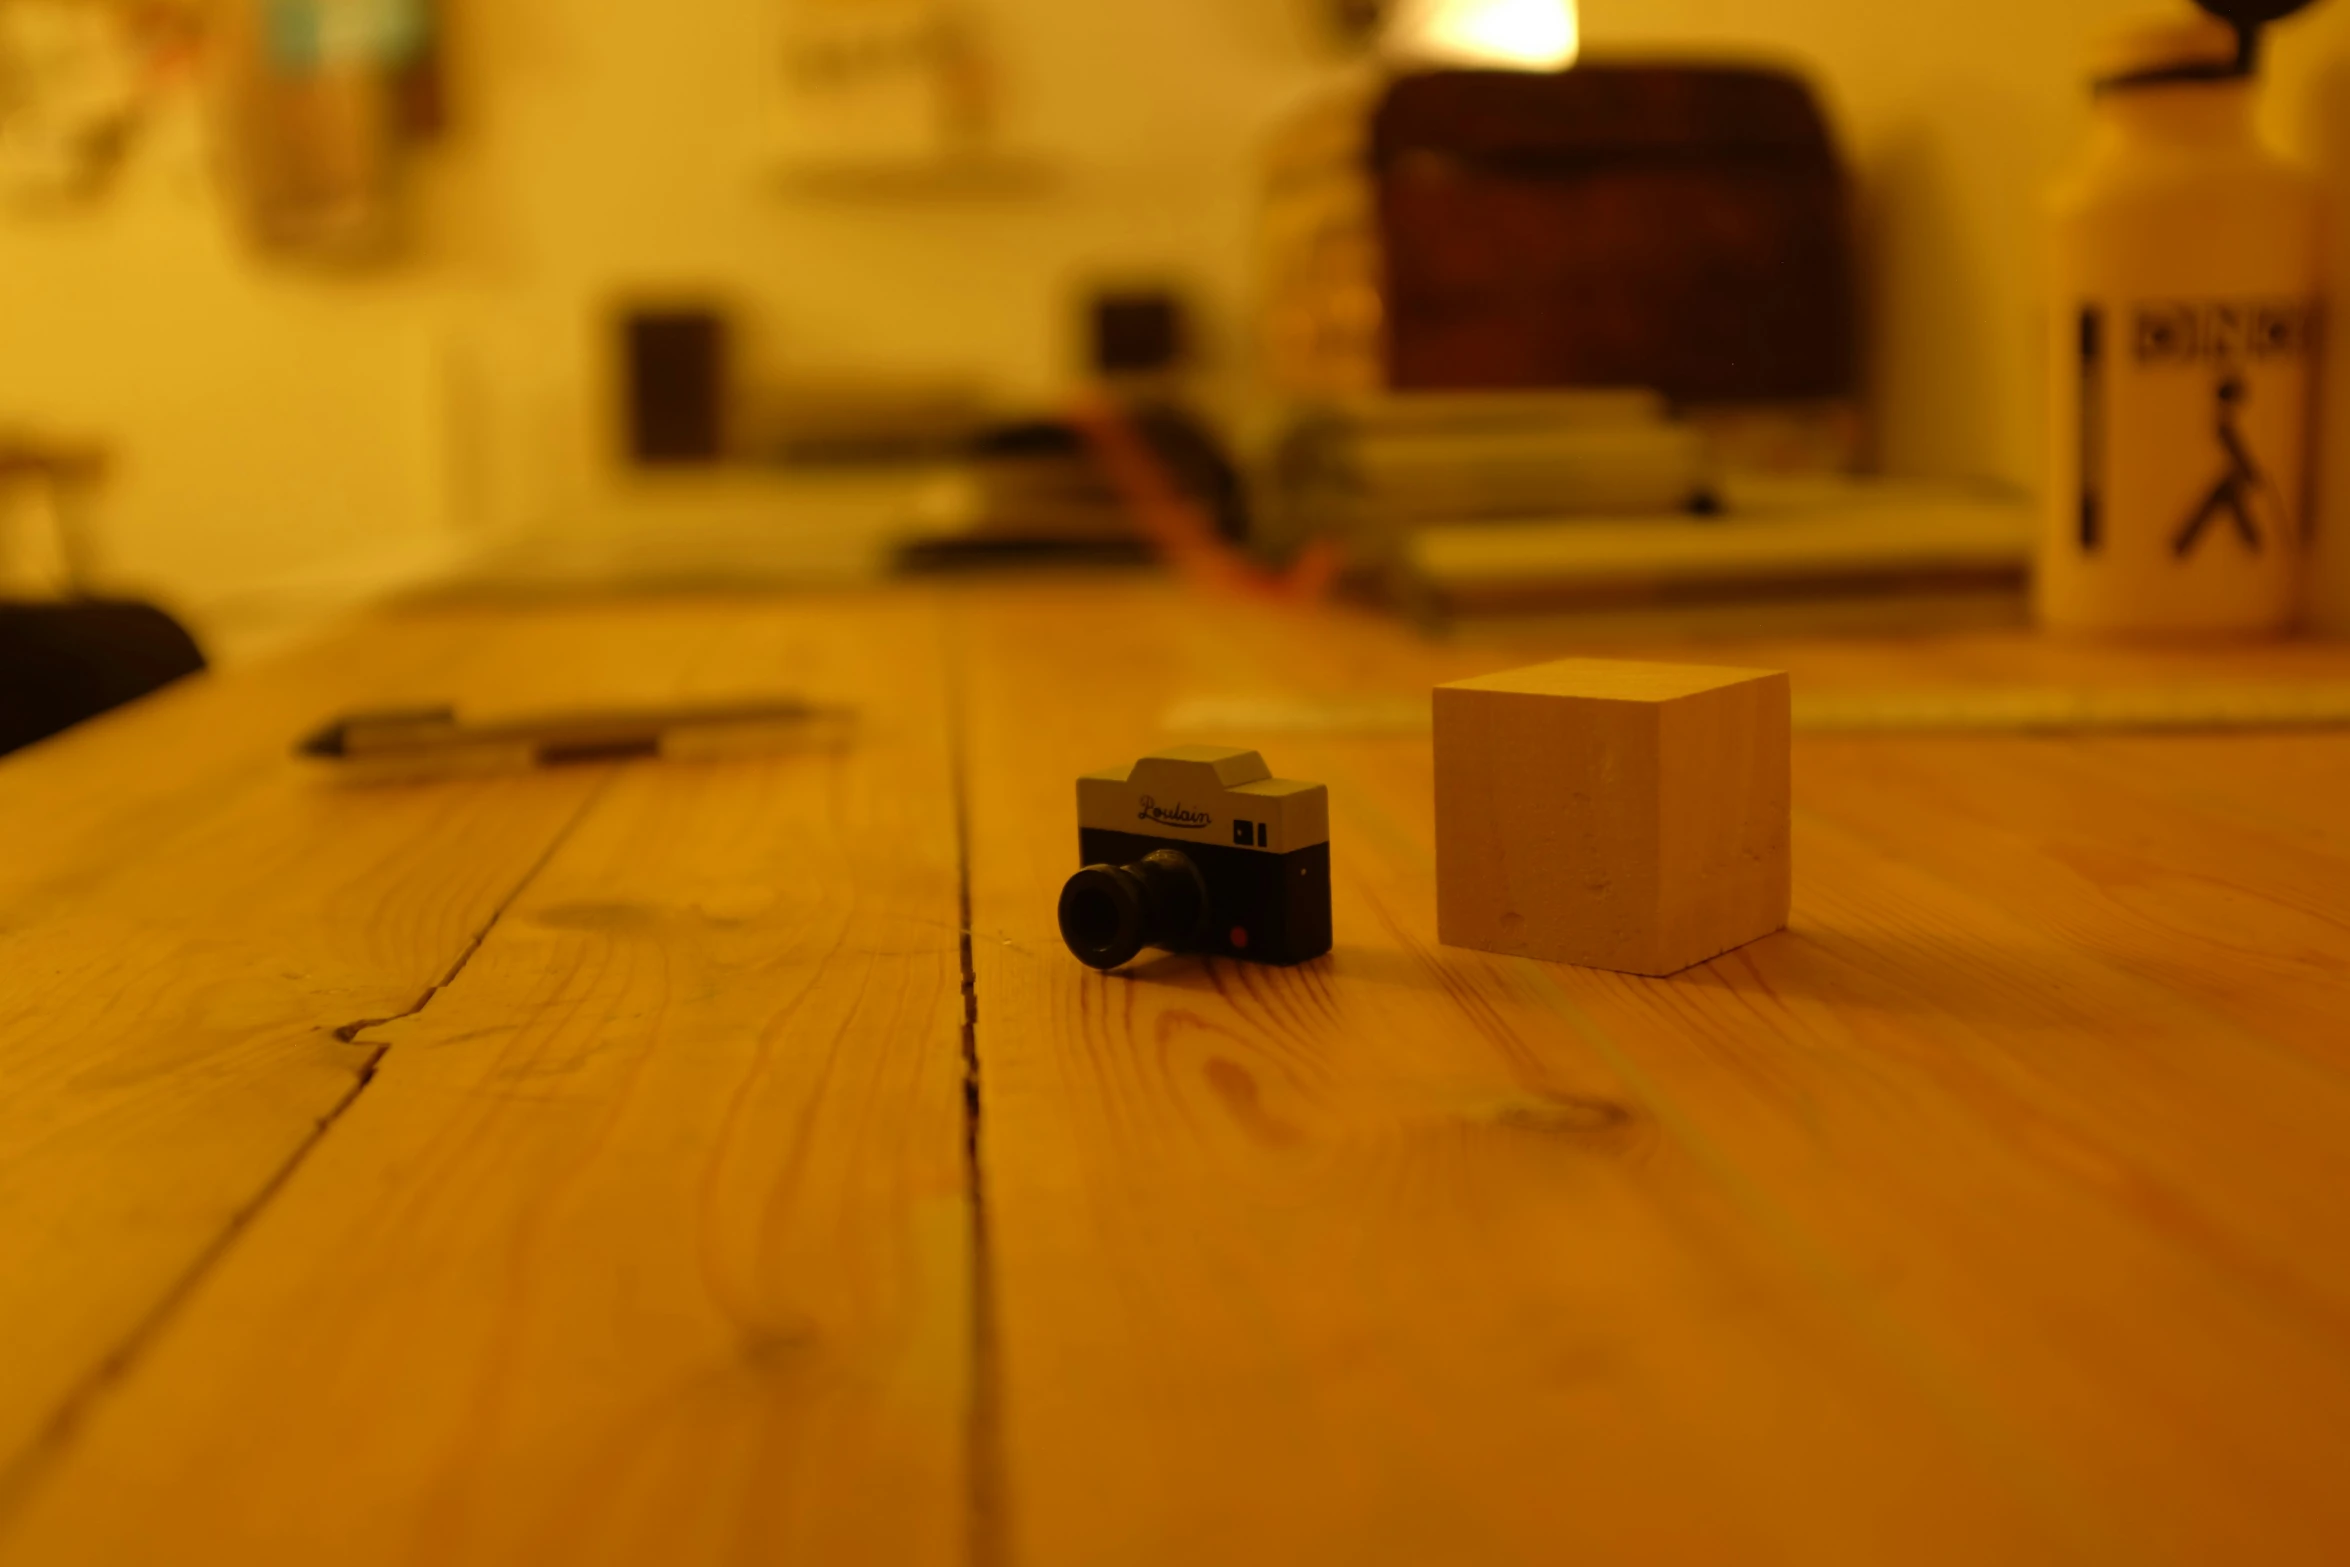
x=724 y=1163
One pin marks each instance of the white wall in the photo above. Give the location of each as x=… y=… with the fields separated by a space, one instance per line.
x=256 y=423
x=274 y=420
x=619 y=151
x=269 y=418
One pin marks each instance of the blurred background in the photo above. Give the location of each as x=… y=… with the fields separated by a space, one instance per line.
x=301 y=300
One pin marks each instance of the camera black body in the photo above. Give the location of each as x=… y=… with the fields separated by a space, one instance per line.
x=1199 y=849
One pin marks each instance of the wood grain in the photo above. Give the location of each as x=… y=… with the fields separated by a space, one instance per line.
x=186 y=924
x=1991 y=1212
x=1952 y=1224
x=648 y=1239
x=1614 y=813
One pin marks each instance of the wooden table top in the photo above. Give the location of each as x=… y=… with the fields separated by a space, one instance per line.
x=724 y=1162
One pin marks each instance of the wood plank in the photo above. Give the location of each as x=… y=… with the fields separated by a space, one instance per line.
x=2113 y=1041
x=1348 y=1262
x=648 y=1240
x=187 y=923
x=103 y=799
x=2286 y=786
x=117 y=790
x=1948 y=1225
x=2249 y=926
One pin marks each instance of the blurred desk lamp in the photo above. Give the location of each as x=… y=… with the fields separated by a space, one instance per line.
x=1523 y=35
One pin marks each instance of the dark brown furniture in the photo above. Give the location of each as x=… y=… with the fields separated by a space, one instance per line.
x=1675 y=226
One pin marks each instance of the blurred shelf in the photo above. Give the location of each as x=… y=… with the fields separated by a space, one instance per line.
x=977 y=175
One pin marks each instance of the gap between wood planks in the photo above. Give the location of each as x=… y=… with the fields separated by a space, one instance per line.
x=18 y=1477
x=983 y=1431
x=987 y=1493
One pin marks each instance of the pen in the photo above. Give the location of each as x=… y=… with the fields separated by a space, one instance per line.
x=433 y=742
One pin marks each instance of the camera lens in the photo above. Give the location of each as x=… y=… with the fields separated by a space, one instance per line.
x=1111 y=912
x=1093 y=914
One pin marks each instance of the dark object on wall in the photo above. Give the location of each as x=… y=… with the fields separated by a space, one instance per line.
x=676 y=374
x=1138 y=332
x=1199 y=849
x=63 y=663
x=1680 y=227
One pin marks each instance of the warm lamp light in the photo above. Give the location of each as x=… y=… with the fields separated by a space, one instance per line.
x=1520 y=35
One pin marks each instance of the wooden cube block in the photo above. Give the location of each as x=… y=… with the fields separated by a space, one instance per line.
x=1615 y=815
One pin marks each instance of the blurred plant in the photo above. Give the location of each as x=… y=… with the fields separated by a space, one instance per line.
x=78 y=78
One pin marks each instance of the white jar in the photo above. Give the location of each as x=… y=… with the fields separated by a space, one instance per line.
x=2183 y=341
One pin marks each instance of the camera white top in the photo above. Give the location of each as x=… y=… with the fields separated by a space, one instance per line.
x=1208 y=795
